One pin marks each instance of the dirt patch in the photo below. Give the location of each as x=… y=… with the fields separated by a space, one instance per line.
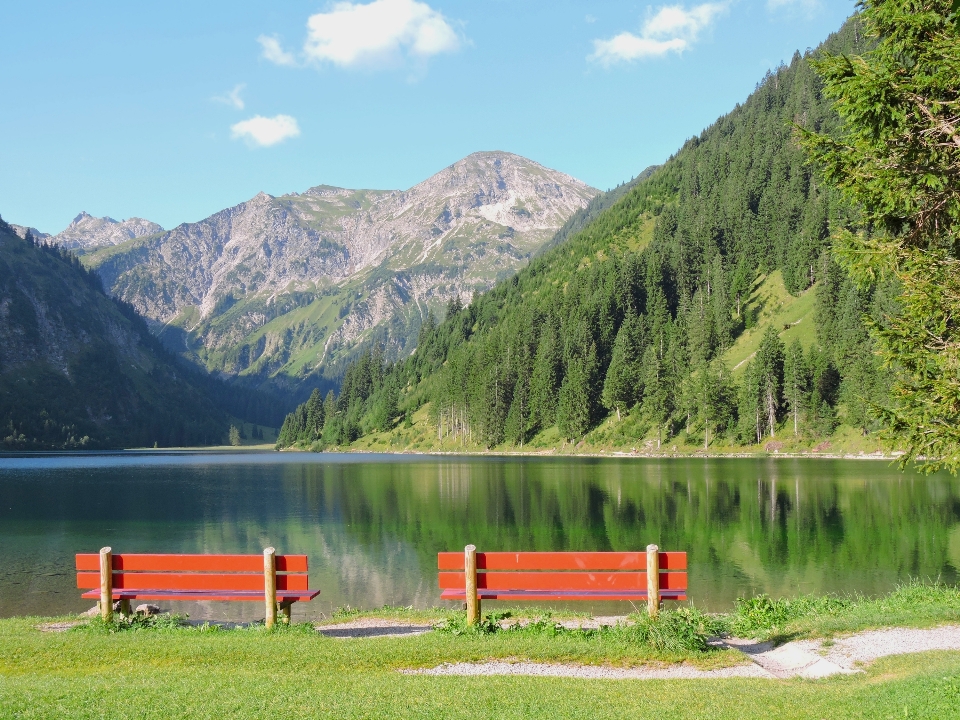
x=58 y=626
x=373 y=627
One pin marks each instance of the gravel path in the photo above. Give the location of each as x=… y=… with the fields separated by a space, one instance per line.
x=811 y=659
x=593 y=672
x=856 y=650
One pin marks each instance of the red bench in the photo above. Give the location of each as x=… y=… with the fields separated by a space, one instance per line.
x=473 y=576
x=271 y=578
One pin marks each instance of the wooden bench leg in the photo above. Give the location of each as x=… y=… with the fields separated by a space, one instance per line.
x=653 y=580
x=125 y=608
x=270 y=586
x=106 y=584
x=470 y=575
x=285 y=610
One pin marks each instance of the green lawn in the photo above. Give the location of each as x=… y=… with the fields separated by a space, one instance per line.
x=296 y=673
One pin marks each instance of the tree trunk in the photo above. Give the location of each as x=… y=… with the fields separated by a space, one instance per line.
x=771 y=415
x=796 y=415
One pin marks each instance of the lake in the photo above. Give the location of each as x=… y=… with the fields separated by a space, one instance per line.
x=372 y=524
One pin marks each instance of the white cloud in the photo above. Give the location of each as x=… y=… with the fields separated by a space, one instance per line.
x=232 y=98
x=352 y=34
x=671 y=29
x=273 y=52
x=264 y=131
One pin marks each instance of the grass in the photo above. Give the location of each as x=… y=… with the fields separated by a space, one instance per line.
x=160 y=667
x=914 y=604
x=197 y=673
x=772 y=304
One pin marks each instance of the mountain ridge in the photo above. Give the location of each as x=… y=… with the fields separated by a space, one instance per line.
x=369 y=264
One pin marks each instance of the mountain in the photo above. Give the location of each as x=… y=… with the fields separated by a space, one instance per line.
x=21 y=232
x=80 y=370
x=697 y=306
x=86 y=233
x=290 y=287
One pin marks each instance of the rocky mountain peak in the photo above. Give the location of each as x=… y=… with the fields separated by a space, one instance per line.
x=371 y=257
x=86 y=232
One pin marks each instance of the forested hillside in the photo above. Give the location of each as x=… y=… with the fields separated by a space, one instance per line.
x=81 y=370
x=632 y=321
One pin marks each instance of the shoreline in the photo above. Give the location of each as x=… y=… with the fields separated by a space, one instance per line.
x=551 y=452
x=610 y=454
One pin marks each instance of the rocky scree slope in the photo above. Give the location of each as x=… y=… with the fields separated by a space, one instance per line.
x=285 y=288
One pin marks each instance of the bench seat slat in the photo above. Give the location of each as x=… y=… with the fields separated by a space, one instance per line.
x=452 y=594
x=573 y=581
x=562 y=561
x=191 y=581
x=191 y=563
x=203 y=595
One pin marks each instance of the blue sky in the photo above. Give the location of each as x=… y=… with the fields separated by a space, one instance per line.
x=173 y=110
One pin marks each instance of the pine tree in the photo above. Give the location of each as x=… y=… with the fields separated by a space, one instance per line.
x=545 y=381
x=897 y=159
x=769 y=370
x=796 y=382
x=623 y=386
x=313 y=427
x=658 y=398
x=573 y=408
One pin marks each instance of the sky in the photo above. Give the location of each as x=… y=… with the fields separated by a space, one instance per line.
x=172 y=111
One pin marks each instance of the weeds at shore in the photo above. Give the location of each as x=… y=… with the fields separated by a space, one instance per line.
x=684 y=630
x=915 y=603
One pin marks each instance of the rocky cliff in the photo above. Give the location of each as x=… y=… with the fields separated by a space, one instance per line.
x=87 y=233
x=288 y=287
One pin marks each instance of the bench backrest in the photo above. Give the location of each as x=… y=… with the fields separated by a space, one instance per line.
x=192 y=572
x=572 y=571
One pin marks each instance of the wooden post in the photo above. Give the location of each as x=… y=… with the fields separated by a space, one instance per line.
x=106 y=584
x=653 y=580
x=470 y=572
x=270 y=586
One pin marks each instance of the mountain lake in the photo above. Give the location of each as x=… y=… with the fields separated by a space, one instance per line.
x=372 y=524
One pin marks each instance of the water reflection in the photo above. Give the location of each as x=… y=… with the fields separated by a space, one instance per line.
x=372 y=525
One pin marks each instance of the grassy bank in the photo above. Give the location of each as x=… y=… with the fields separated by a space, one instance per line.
x=292 y=674
x=203 y=672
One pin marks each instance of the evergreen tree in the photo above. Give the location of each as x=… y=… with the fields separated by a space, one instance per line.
x=796 y=381
x=545 y=381
x=313 y=425
x=623 y=386
x=897 y=159
x=769 y=376
x=658 y=400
